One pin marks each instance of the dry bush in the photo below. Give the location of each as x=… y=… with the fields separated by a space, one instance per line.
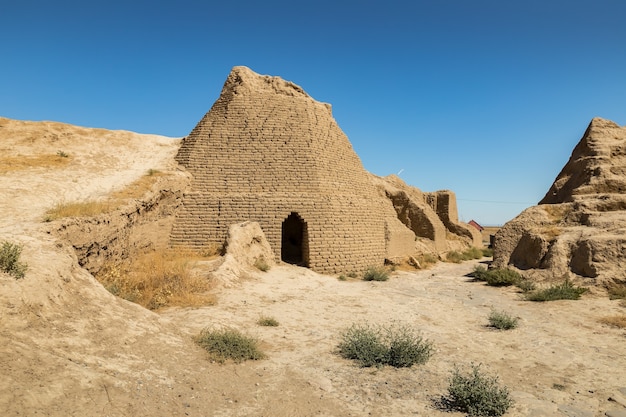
x=618 y=321
x=158 y=279
x=19 y=163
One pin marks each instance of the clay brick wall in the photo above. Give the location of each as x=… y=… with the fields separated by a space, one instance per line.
x=266 y=150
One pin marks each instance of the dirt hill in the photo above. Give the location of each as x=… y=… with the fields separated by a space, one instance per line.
x=578 y=229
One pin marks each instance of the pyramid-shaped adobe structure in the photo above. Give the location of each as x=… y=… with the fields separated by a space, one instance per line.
x=268 y=152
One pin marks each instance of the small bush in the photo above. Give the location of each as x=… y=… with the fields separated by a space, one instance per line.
x=406 y=347
x=363 y=343
x=261 y=264
x=267 y=321
x=502 y=321
x=487 y=252
x=229 y=344
x=10 y=260
x=526 y=285
x=496 y=277
x=395 y=345
x=63 y=154
x=427 y=259
x=342 y=277
x=454 y=256
x=376 y=273
x=468 y=254
x=564 y=291
x=477 y=394
x=473 y=253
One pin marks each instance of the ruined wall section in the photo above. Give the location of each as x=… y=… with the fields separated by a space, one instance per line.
x=266 y=149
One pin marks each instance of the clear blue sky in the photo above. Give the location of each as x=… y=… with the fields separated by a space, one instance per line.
x=484 y=97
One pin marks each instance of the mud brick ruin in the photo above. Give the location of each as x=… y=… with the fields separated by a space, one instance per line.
x=268 y=152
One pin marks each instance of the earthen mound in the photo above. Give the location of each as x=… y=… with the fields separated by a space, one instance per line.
x=579 y=227
x=246 y=248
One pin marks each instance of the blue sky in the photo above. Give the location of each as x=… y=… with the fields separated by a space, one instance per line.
x=485 y=97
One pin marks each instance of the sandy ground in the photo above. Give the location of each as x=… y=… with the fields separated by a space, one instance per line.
x=69 y=348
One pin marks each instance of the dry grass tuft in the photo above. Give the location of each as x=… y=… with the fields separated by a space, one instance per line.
x=617 y=291
x=135 y=190
x=551 y=232
x=79 y=209
x=138 y=188
x=19 y=163
x=556 y=212
x=158 y=279
x=618 y=321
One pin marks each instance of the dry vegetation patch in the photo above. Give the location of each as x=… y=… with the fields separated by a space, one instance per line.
x=618 y=321
x=20 y=162
x=556 y=212
x=135 y=190
x=158 y=279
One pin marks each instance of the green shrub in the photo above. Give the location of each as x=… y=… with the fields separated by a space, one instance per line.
x=376 y=273
x=10 y=260
x=342 y=277
x=477 y=394
x=406 y=347
x=396 y=345
x=564 y=291
x=454 y=256
x=267 y=321
x=487 y=252
x=502 y=321
x=473 y=253
x=229 y=344
x=63 y=154
x=364 y=344
x=525 y=285
x=467 y=255
x=479 y=273
x=496 y=277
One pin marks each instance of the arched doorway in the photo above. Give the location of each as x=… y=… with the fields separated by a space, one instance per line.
x=294 y=243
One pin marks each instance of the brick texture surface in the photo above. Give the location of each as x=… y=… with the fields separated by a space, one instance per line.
x=265 y=150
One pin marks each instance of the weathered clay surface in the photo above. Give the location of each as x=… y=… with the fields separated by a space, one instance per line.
x=579 y=227
x=431 y=217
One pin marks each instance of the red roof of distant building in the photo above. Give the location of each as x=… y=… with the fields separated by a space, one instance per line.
x=476 y=225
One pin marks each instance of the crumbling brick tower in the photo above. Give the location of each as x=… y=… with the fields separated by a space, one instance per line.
x=268 y=152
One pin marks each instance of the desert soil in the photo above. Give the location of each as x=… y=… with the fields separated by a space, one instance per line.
x=69 y=348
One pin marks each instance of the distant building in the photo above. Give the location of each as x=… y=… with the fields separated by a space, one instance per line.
x=476 y=225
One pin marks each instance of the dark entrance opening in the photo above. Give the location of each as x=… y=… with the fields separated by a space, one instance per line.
x=294 y=244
